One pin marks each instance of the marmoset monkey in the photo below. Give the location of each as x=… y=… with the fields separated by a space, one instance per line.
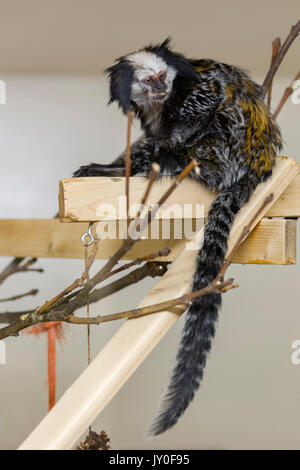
x=211 y=112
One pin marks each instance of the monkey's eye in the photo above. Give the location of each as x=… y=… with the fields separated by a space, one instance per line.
x=162 y=75
x=148 y=80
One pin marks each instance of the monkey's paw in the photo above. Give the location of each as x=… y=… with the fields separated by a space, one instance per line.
x=85 y=170
x=95 y=169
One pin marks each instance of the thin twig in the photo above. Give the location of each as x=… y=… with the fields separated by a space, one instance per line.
x=129 y=242
x=161 y=253
x=88 y=262
x=19 y=320
x=15 y=266
x=20 y=296
x=128 y=159
x=151 y=214
x=153 y=175
x=279 y=57
x=287 y=93
x=184 y=300
x=245 y=232
x=152 y=269
x=276 y=44
x=77 y=283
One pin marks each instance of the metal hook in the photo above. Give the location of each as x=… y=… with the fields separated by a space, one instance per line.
x=88 y=235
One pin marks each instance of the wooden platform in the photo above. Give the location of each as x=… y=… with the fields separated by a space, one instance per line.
x=91 y=199
x=273 y=241
x=80 y=199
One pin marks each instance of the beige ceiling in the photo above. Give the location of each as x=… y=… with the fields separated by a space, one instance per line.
x=84 y=36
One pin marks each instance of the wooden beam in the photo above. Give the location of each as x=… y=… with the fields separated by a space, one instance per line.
x=273 y=241
x=136 y=338
x=83 y=199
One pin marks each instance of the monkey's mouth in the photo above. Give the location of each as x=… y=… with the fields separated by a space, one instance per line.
x=159 y=96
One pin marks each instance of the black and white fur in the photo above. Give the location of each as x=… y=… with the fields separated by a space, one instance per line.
x=211 y=112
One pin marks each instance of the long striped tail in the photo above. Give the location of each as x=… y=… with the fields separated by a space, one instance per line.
x=202 y=315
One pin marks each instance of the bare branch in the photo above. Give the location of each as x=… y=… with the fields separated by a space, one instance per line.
x=276 y=45
x=20 y=296
x=129 y=242
x=77 y=283
x=15 y=266
x=153 y=175
x=161 y=253
x=279 y=57
x=245 y=232
x=11 y=317
x=128 y=158
x=287 y=93
x=20 y=320
x=184 y=300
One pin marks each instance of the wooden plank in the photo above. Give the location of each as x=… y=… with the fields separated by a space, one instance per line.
x=83 y=199
x=122 y=355
x=288 y=204
x=273 y=241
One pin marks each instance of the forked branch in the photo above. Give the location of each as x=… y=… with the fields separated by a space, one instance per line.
x=279 y=57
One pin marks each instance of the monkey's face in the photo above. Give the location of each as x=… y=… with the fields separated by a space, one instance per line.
x=146 y=77
x=152 y=80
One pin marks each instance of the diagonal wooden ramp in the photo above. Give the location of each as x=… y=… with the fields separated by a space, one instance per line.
x=136 y=338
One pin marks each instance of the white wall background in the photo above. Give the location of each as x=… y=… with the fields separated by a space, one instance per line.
x=53 y=123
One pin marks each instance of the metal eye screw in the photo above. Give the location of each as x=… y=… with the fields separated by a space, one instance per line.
x=88 y=238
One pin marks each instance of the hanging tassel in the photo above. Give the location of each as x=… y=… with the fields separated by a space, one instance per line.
x=54 y=332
